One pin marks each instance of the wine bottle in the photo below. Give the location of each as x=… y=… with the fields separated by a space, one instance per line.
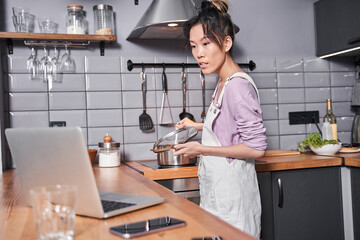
x=330 y=118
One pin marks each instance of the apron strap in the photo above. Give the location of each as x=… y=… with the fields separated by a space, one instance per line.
x=238 y=74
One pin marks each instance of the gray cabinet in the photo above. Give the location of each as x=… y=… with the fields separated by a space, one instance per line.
x=355 y=182
x=302 y=204
x=337 y=25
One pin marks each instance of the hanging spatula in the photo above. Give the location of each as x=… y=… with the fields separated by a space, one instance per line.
x=145 y=121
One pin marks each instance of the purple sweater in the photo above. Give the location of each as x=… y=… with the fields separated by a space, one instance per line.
x=240 y=118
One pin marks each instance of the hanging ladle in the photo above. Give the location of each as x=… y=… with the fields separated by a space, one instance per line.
x=185 y=114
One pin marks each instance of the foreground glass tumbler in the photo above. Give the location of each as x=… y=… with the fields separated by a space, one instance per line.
x=54 y=211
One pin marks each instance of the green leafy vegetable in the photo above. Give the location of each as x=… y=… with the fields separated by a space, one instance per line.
x=314 y=140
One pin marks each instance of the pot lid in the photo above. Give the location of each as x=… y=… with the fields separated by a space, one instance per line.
x=178 y=136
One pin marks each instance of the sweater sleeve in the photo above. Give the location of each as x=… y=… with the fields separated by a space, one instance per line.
x=247 y=113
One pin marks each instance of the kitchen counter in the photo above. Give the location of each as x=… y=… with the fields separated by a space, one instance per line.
x=274 y=160
x=16 y=219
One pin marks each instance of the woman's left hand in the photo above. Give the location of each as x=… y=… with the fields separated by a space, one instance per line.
x=189 y=149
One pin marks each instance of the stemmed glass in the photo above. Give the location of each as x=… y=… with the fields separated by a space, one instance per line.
x=67 y=63
x=45 y=66
x=55 y=67
x=32 y=65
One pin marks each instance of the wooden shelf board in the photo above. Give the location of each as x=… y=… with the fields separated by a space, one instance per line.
x=55 y=36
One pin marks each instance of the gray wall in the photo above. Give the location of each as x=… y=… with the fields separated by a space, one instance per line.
x=103 y=96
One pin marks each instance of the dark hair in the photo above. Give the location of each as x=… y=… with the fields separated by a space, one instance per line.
x=215 y=20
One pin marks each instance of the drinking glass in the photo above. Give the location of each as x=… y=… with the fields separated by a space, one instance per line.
x=45 y=66
x=47 y=25
x=55 y=75
x=54 y=211
x=23 y=20
x=32 y=65
x=67 y=63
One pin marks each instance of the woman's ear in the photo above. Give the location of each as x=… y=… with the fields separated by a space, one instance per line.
x=228 y=43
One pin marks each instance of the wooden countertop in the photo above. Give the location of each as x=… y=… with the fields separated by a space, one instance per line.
x=274 y=160
x=16 y=220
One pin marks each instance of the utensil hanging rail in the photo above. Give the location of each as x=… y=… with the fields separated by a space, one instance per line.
x=130 y=65
x=33 y=43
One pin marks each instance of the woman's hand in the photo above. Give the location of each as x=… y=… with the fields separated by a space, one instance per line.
x=189 y=149
x=186 y=122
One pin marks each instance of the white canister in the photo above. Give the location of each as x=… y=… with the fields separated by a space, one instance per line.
x=109 y=153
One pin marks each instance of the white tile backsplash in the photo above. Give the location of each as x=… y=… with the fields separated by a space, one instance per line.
x=342 y=79
x=67 y=100
x=102 y=64
x=69 y=83
x=317 y=94
x=28 y=101
x=104 y=96
x=135 y=135
x=96 y=135
x=29 y=119
x=341 y=94
x=291 y=95
x=103 y=82
x=289 y=64
x=73 y=118
x=264 y=80
x=290 y=80
x=106 y=118
x=139 y=151
x=316 y=65
x=103 y=100
x=317 y=79
x=22 y=83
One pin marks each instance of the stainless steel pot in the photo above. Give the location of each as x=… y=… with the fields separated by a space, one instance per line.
x=167 y=158
x=165 y=151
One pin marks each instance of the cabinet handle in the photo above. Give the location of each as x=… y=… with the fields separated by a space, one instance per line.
x=354 y=40
x=281 y=195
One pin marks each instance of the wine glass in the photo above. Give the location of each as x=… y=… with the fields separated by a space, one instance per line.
x=32 y=65
x=45 y=66
x=55 y=67
x=67 y=63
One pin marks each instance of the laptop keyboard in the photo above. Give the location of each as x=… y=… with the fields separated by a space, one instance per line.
x=109 y=206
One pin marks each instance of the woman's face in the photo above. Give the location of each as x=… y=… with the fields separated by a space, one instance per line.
x=207 y=53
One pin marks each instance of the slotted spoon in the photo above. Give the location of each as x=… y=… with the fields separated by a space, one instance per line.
x=145 y=121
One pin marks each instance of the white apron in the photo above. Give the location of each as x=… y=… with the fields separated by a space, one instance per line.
x=229 y=190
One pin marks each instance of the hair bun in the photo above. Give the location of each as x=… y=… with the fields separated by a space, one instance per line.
x=221 y=5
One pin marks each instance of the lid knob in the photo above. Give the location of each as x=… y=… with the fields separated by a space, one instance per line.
x=107 y=138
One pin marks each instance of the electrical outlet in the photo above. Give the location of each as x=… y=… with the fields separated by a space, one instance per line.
x=303 y=117
x=57 y=124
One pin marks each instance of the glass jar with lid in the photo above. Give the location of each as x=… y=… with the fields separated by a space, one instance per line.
x=109 y=153
x=75 y=20
x=103 y=19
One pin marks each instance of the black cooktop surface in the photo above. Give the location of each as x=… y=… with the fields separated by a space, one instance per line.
x=154 y=165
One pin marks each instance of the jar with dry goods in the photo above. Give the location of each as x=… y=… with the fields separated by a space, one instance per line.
x=109 y=153
x=103 y=19
x=75 y=20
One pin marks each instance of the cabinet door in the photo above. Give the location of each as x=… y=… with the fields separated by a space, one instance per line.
x=355 y=182
x=337 y=26
x=307 y=204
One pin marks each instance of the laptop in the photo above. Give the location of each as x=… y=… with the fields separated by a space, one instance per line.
x=48 y=156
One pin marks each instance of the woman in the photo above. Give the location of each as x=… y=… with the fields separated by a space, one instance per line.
x=233 y=132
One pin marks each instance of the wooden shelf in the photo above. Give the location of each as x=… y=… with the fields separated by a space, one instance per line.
x=54 y=36
x=48 y=37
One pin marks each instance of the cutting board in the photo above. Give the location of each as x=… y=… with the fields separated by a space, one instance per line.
x=274 y=153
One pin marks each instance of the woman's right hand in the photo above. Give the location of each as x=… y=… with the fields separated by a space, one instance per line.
x=186 y=123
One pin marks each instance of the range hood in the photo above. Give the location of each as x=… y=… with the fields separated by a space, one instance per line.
x=164 y=19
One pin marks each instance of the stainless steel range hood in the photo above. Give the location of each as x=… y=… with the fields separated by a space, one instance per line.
x=164 y=19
